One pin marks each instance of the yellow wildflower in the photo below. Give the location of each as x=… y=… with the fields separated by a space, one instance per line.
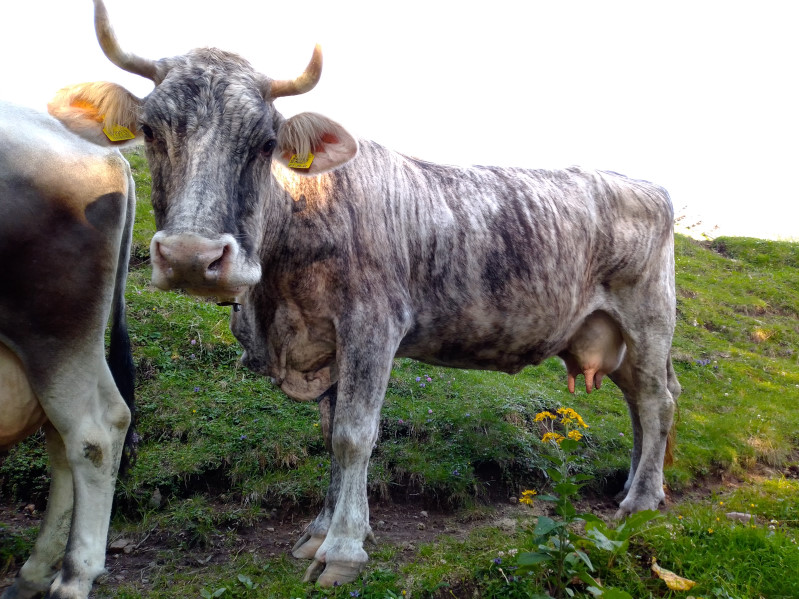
x=575 y=434
x=552 y=437
x=570 y=415
x=527 y=496
x=542 y=415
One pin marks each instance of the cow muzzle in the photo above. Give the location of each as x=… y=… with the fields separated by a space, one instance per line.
x=201 y=266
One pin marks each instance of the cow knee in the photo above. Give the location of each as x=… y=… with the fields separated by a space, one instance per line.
x=119 y=417
x=352 y=445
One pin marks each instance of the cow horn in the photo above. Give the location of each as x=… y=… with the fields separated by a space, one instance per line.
x=108 y=42
x=304 y=83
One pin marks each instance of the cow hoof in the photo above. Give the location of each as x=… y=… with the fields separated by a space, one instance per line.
x=333 y=574
x=620 y=515
x=631 y=504
x=306 y=547
x=22 y=589
x=339 y=573
x=313 y=571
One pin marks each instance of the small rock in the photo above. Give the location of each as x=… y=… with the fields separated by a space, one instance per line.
x=514 y=500
x=270 y=529
x=424 y=514
x=155 y=500
x=740 y=517
x=380 y=524
x=506 y=524
x=120 y=546
x=30 y=509
x=421 y=526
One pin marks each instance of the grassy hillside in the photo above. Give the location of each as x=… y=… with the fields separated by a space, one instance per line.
x=225 y=449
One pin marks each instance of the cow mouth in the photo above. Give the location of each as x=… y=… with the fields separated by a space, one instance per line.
x=216 y=291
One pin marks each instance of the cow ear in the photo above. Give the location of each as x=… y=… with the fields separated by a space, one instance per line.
x=310 y=144
x=101 y=112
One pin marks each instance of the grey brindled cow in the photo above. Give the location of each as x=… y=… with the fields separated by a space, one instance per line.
x=336 y=267
x=66 y=219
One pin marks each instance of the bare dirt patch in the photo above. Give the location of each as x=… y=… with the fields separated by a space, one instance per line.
x=135 y=559
x=140 y=557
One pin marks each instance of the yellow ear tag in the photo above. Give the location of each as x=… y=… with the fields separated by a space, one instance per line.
x=118 y=133
x=303 y=165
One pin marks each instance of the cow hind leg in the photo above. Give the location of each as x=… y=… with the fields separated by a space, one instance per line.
x=645 y=382
x=93 y=439
x=38 y=572
x=623 y=380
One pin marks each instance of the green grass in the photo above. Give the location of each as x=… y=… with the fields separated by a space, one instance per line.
x=224 y=448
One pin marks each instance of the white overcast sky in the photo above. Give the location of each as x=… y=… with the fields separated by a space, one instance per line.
x=701 y=97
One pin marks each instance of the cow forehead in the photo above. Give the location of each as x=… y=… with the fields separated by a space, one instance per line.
x=208 y=83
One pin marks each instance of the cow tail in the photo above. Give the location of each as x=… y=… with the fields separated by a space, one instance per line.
x=120 y=356
x=675 y=389
x=671 y=442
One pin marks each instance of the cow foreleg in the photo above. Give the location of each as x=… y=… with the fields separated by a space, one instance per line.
x=40 y=569
x=363 y=376
x=315 y=534
x=93 y=440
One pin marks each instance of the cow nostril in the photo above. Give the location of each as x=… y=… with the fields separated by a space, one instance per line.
x=217 y=264
x=157 y=251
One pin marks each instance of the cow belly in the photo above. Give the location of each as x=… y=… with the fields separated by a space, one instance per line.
x=20 y=411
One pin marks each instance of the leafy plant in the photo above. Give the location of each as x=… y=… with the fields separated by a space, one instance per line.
x=559 y=552
x=616 y=541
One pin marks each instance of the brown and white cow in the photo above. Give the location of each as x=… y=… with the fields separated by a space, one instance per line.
x=66 y=219
x=337 y=266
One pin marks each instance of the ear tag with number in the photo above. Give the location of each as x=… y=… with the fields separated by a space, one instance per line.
x=295 y=162
x=118 y=133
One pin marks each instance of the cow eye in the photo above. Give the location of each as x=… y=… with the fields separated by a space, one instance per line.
x=148 y=132
x=269 y=147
